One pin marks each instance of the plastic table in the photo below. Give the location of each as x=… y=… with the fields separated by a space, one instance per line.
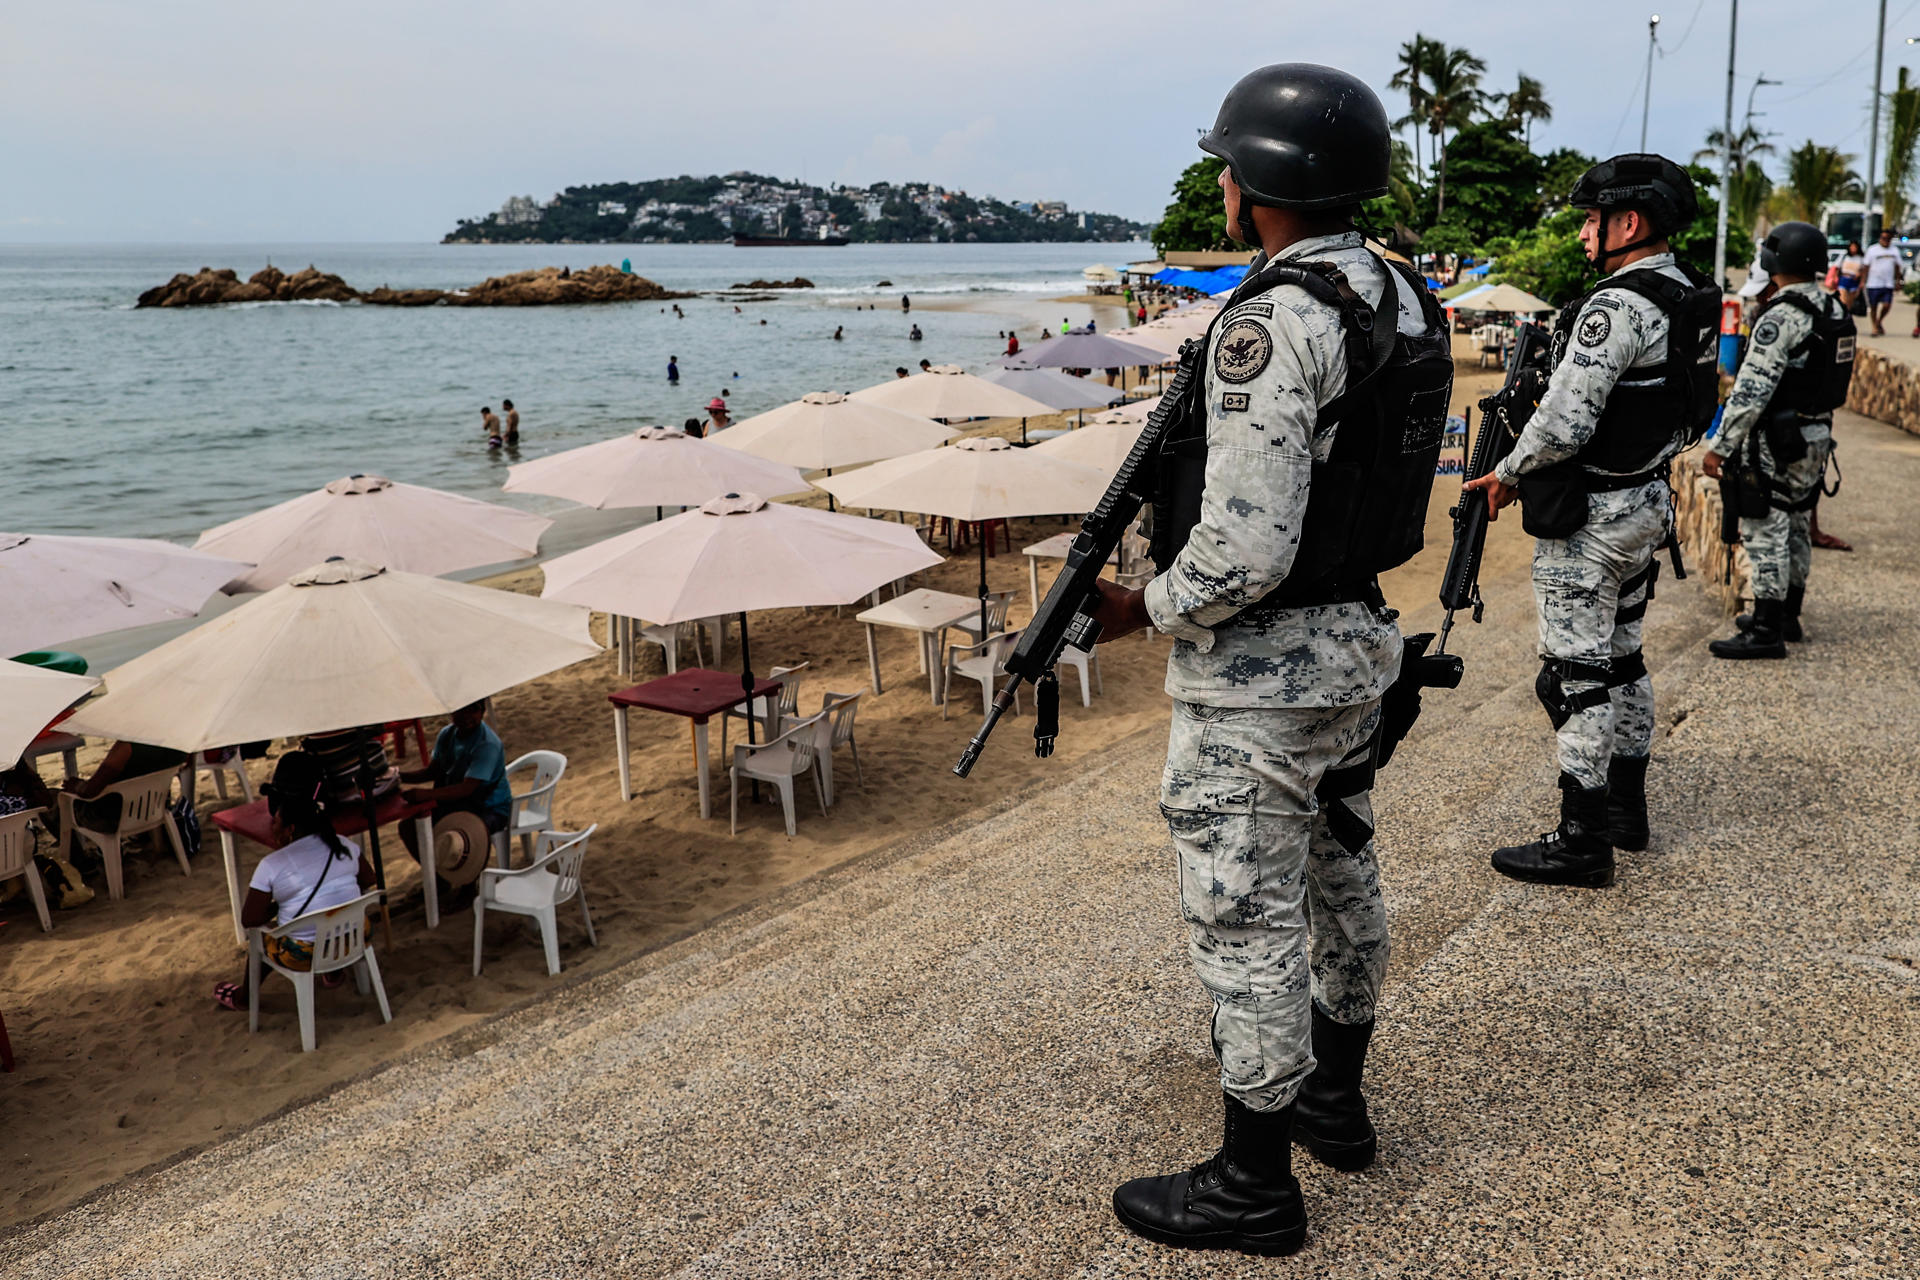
x=1054 y=548
x=926 y=611
x=253 y=822
x=696 y=693
x=55 y=741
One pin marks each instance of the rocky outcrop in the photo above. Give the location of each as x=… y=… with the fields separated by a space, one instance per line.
x=548 y=286
x=1885 y=387
x=798 y=282
x=208 y=287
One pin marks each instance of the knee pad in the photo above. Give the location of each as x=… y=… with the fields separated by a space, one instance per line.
x=1627 y=668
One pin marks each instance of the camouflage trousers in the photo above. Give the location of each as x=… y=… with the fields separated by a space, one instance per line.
x=1278 y=911
x=1780 y=544
x=1591 y=589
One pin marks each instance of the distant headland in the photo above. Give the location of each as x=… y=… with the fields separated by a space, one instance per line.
x=690 y=210
x=548 y=286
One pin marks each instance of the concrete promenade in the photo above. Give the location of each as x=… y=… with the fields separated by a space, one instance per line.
x=940 y=1060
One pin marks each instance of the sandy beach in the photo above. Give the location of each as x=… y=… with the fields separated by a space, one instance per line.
x=124 y=1059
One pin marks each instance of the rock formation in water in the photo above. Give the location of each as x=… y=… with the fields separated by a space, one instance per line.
x=798 y=282
x=548 y=286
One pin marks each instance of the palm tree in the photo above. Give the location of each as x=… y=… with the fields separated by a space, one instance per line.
x=1527 y=103
x=1815 y=176
x=1415 y=55
x=1748 y=143
x=1453 y=96
x=1903 y=141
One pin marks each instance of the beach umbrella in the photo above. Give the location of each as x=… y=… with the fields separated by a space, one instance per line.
x=1099 y=273
x=1135 y=411
x=948 y=392
x=59 y=588
x=364 y=517
x=1102 y=445
x=825 y=429
x=736 y=554
x=30 y=697
x=1049 y=386
x=651 y=467
x=981 y=478
x=1504 y=297
x=1090 y=351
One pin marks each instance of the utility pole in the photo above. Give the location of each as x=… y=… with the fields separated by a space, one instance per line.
x=1868 y=223
x=1646 y=99
x=1726 y=154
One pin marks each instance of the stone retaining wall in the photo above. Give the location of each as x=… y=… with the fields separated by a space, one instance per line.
x=1885 y=388
x=1720 y=570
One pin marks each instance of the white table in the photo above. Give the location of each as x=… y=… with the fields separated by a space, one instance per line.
x=66 y=745
x=1054 y=548
x=924 y=611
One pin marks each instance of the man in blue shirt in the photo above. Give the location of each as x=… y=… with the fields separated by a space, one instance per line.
x=468 y=773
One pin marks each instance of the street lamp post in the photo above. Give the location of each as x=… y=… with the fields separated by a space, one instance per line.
x=1646 y=99
x=1726 y=155
x=1867 y=222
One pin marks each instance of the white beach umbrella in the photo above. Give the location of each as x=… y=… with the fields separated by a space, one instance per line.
x=340 y=645
x=1101 y=445
x=30 y=697
x=1050 y=386
x=974 y=479
x=362 y=517
x=651 y=467
x=825 y=429
x=61 y=588
x=1134 y=411
x=1089 y=351
x=947 y=391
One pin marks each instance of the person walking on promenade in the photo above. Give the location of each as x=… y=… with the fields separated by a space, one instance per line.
x=1884 y=274
x=1778 y=431
x=1591 y=468
x=1284 y=646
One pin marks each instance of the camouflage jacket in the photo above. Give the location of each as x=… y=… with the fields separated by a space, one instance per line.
x=1273 y=361
x=1616 y=332
x=1770 y=353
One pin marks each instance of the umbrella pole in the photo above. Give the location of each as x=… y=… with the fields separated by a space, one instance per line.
x=746 y=687
x=830 y=496
x=1023 y=431
x=985 y=533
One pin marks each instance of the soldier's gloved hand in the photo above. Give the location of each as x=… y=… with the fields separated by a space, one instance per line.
x=1710 y=463
x=1119 y=612
x=1498 y=493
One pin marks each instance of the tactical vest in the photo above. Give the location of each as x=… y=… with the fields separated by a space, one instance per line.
x=1646 y=417
x=1820 y=386
x=1367 y=502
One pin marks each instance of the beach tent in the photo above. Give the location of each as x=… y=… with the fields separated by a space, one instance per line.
x=948 y=392
x=1504 y=298
x=825 y=429
x=58 y=587
x=364 y=517
x=30 y=697
x=982 y=478
x=651 y=467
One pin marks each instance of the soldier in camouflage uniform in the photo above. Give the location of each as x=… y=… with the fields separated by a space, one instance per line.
x=1287 y=927
x=1786 y=360
x=1591 y=584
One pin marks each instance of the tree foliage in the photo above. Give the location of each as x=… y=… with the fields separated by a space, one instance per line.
x=1197 y=218
x=1816 y=174
x=1493 y=181
x=1903 y=140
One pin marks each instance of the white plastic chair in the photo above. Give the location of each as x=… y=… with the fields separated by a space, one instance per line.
x=998 y=602
x=16 y=859
x=532 y=810
x=772 y=717
x=221 y=764
x=339 y=942
x=779 y=762
x=984 y=662
x=537 y=890
x=1080 y=659
x=840 y=709
x=143 y=808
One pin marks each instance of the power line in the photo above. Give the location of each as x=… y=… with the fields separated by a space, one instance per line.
x=1699 y=5
x=1630 y=96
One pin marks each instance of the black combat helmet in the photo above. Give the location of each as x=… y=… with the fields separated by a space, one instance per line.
x=1653 y=184
x=1301 y=136
x=1794 y=249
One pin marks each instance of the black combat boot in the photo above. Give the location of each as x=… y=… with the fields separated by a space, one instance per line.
x=1627 y=803
x=1789 y=620
x=1244 y=1198
x=1762 y=640
x=1330 y=1115
x=1574 y=853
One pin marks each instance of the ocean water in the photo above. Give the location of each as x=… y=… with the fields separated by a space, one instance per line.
x=161 y=424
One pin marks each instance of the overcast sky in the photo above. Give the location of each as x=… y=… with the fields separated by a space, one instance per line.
x=385 y=120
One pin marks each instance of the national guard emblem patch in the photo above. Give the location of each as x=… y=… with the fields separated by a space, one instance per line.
x=1766 y=333
x=1244 y=350
x=1594 y=328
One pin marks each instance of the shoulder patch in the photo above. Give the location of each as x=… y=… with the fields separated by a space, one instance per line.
x=1593 y=328
x=1264 y=309
x=1766 y=333
x=1235 y=402
x=1242 y=351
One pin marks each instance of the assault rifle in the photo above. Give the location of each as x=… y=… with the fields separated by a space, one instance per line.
x=1064 y=617
x=1503 y=415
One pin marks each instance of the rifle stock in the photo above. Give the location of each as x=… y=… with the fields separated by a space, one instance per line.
x=1063 y=617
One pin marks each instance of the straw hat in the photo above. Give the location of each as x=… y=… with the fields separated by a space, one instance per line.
x=461 y=847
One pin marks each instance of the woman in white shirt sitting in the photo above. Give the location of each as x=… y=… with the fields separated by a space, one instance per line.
x=310 y=868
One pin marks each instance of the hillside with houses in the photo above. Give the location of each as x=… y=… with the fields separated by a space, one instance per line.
x=688 y=210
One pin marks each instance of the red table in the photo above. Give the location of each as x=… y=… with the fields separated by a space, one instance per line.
x=253 y=822
x=695 y=693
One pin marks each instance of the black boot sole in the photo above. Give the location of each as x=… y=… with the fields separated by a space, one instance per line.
x=1347 y=1157
x=1628 y=844
x=1277 y=1244
x=1599 y=878
x=1738 y=655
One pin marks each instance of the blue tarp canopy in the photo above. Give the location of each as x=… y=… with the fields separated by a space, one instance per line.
x=1205 y=281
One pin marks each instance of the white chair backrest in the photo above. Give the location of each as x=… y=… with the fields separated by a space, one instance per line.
x=339 y=933
x=789 y=678
x=143 y=800
x=1001 y=646
x=840 y=709
x=547 y=766
x=997 y=605
x=16 y=842
x=562 y=852
x=803 y=739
